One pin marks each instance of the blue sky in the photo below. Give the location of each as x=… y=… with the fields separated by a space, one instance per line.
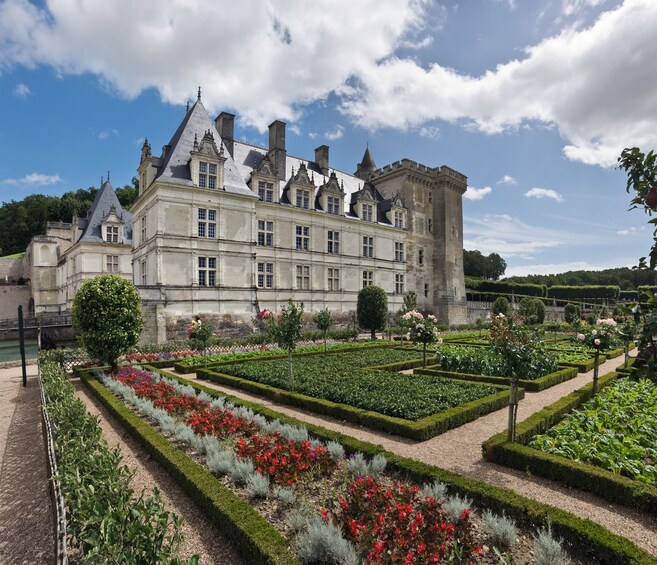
x=532 y=100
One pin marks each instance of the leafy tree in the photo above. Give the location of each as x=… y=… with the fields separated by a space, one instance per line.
x=496 y=266
x=200 y=332
x=421 y=330
x=410 y=301
x=502 y=306
x=477 y=265
x=372 y=309
x=285 y=329
x=533 y=310
x=572 y=313
x=107 y=317
x=324 y=321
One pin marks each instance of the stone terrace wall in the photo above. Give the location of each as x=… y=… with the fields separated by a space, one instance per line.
x=10 y=298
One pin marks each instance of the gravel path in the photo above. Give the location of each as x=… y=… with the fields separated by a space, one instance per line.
x=459 y=450
x=26 y=523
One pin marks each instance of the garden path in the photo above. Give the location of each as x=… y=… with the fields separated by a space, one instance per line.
x=26 y=523
x=459 y=450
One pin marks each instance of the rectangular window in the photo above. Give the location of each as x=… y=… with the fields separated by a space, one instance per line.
x=303 y=198
x=265 y=275
x=212 y=175
x=265 y=233
x=426 y=286
x=303 y=277
x=420 y=257
x=333 y=242
x=399 y=219
x=368 y=278
x=266 y=191
x=430 y=224
x=143 y=229
x=143 y=272
x=333 y=205
x=399 y=284
x=399 y=251
x=112 y=234
x=112 y=263
x=207 y=271
x=333 y=277
x=202 y=174
x=368 y=246
x=366 y=212
x=302 y=240
x=207 y=223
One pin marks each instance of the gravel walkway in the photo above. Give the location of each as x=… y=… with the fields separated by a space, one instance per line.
x=459 y=450
x=26 y=523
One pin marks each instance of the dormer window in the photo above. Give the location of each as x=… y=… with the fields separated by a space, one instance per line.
x=112 y=234
x=207 y=165
x=399 y=219
x=266 y=191
x=207 y=175
x=303 y=198
x=333 y=205
x=366 y=212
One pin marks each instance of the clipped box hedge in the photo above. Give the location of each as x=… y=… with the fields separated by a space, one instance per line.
x=418 y=430
x=551 y=379
x=591 y=541
x=252 y=535
x=605 y=484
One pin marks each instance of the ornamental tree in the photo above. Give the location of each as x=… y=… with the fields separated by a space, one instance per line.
x=107 y=317
x=421 y=330
x=323 y=320
x=285 y=330
x=599 y=339
x=372 y=309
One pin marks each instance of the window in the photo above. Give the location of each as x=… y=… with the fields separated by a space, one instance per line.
x=265 y=275
x=333 y=205
x=143 y=229
x=112 y=263
x=303 y=277
x=207 y=271
x=420 y=257
x=202 y=174
x=302 y=241
x=399 y=219
x=333 y=239
x=265 y=233
x=399 y=251
x=399 y=284
x=368 y=246
x=212 y=175
x=333 y=276
x=207 y=223
x=112 y=234
x=430 y=225
x=303 y=198
x=143 y=272
x=366 y=212
x=266 y=191
x=368 y=278
x=426 y=286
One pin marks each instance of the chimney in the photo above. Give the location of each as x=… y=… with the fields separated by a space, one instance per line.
x=277 y=151
x=322 y=158
x=165 y=150
x=225 y=124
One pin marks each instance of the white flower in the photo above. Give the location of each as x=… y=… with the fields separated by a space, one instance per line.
x=439 y=342
x=501 y=316
x=408 y=335
x=596 y=341
x=594 y=332
x=418 y=326
x=581 y=337
x=431 y=317
x=407 y=316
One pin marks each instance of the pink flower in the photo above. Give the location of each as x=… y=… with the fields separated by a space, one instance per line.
x=596 y=341
x=439 y=342
x=581 y=337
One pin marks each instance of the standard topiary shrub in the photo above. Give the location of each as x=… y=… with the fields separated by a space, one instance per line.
x=533 y=310
x=572 y=313
x=502 y=306
x=107 y=317
x=372 y=309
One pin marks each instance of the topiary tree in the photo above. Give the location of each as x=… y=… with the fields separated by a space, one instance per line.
x=372 y=309
x=285 y=329
x=533 y=310
x=107 y=317
x=572 y=313
x=502 y=306
x=324 y=321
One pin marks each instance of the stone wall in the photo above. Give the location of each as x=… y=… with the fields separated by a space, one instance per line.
x=477 y=310
x=12 y=269
x=11 y=296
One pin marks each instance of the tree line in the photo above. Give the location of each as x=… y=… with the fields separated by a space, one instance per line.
x=20 y=220
x=624 y=277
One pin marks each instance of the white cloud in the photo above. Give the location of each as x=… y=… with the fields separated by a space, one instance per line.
x=21 y=90
x=572 y=7
x=556 y=268
x=431 y=132
x=593 y=83
x=295 y=129
x=337 y=133
x=476 y=193
x=628 y=231
x=507 y=179
x=313 y=135
x=544 y=193
x=105 y=134
x=33 y=179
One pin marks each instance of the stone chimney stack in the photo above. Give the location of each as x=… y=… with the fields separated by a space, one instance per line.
x=322 y=158
x=277 y=151
x=225 y=124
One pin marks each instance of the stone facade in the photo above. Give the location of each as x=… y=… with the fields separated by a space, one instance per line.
x=224 y=228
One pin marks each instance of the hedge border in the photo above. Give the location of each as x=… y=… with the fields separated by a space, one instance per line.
x=587 y=538
x=254 y=537
x=600 y=482
x=536 y=385
x=418 y=430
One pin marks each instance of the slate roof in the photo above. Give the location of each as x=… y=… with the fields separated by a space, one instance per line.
x=105 y=203
x=175 y=165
